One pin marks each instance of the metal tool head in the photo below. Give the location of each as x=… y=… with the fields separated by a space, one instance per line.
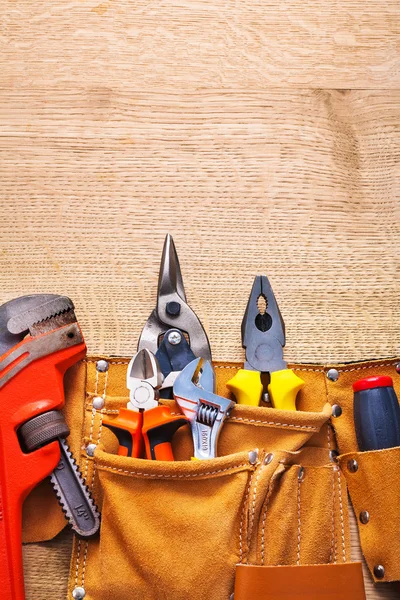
x=172 y=310
x=173 y=355
x=263 y=331
x=144 y=378
x=34 y=314
x=205 y=410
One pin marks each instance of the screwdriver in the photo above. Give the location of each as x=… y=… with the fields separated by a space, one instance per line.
x=376 y=413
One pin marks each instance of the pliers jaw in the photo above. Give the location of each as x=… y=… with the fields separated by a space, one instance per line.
x=143 y=379
x=145 y=427
x=263 y=334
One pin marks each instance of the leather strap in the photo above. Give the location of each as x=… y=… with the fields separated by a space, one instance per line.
x=306 y=582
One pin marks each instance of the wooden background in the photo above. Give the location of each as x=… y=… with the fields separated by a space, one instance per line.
x=263 y=135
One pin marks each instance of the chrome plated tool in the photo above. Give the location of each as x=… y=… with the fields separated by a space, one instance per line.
x=173 y=332
x=193 y=392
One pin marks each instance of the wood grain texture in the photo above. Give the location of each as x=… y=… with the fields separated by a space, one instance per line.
x=190 y=44
x=301 y=185
x=263 y=135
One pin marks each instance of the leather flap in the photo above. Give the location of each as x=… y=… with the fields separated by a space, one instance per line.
x=305 y=582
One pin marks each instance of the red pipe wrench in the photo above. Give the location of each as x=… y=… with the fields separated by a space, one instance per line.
x=39 y=340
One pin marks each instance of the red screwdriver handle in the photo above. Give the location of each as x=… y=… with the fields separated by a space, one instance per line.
x=25 y=392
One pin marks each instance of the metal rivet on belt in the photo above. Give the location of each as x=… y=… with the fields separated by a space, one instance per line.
x=352 y=465
x=333 y=455
x=78 y=593
x=102 y=366
x=379 y=571
x=90 y=448
x=98 y=402
x=301 y=474
x=398 y=367
x=333 y=374
x=336 y=410
x=174 y=338
x=253 y=456
x=364 y=517
x=268 y=458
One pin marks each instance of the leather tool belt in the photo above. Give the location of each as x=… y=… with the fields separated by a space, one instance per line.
x=269 y=516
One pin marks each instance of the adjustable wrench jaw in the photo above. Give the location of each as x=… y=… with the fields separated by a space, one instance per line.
x=31 y=383
x=205 y=410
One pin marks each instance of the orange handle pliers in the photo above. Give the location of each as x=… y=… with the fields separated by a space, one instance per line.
x=145 y=429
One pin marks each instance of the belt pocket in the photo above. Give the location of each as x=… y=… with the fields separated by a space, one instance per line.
x=253 y=427
x=303 y=515
x=169 y=529
x=373 y=480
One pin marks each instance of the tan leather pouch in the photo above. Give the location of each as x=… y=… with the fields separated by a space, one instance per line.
x=178 y=530
x=375 y=493
x=327 y=582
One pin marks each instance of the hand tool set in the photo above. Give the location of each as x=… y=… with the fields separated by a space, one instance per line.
x=171 y=383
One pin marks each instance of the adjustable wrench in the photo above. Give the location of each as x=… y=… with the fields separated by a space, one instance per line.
x=193 y=392
x=39 y=340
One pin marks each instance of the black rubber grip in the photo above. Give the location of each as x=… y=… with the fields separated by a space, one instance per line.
x=124 y=437
x=377 y=418
x=163 y=434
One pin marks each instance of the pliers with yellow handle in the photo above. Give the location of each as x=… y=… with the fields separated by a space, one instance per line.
x=263 y=337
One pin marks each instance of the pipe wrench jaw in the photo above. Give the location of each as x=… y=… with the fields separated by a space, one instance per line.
x=39 y=340
x=205 y=410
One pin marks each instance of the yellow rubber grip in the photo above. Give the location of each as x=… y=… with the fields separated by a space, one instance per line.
x=246 y=386
x=283 y=388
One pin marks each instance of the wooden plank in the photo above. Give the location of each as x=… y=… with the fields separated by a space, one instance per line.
x=191 y=45
x=302 y=185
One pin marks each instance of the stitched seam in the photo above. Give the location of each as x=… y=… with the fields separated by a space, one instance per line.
x=241 y=419
x=367 y=367
x=77 y=563
x=264 y=519
x=109 y=360
x=78 y=556
x=277 y=424
x=341 y=516
x=311 y=369
x=110 y=411
x=298 y=520
x=93 y=477
x=333 y=552
x=96 y=387
x=253 y=507
x=242 y=518
x=329 y=437
x=160 y=476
